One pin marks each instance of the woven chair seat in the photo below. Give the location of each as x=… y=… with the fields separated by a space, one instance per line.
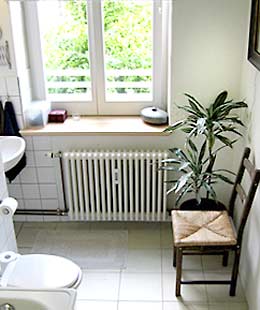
x=202 y=228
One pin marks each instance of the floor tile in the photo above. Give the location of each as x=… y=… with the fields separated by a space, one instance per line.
x=107 y=225
x=220 y=293
x=148 y=282
x=99 y=286
x=139 y=305
x=140 y=287
x=24 y=250
x=184 y=306
x=143 y=226
x=40 y=225
x=73 y=226
x=188 y=292
x=166 y=235
x=144 y=239
x=189 y=262
x=214 y=262
x=167 y=261
x=95 y=305
x=17 y=227
x=144 y=260
x=228 y=306
x=27 y=237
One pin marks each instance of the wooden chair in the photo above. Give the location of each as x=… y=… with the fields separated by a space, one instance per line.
x=213 y=232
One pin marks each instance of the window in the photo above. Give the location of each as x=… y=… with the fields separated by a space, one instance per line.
x=98 y=56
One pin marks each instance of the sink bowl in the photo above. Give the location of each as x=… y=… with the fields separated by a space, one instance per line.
x=11 y=149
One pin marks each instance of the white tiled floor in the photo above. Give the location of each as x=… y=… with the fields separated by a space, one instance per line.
x=148 y=282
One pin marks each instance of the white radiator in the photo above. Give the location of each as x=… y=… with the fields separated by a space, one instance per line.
x=115 y=185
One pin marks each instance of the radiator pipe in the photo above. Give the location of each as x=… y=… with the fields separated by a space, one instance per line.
x=57 y=212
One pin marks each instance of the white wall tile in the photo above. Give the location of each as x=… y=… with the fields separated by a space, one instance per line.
x=42 y=160
x=46 y=175
x=20 y=121
x=29 y=143
x=16 y=180
x=48 y=191
x=31 y=191
x=30 y=161
x=28 y=175
x=34 y=218
x=20 y=204
x=42 y=143
x=3 y=90
x=50 y=204
x=20 y=218
x=12 y=86
x=51 y=218
x=16 y=104
x=32 y=204
x=15 y=190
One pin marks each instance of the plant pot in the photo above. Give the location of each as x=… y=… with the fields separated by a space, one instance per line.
x=206 y=205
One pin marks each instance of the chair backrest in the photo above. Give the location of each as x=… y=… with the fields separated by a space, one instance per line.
x=246 y=197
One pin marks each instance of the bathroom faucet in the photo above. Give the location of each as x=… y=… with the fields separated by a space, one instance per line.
x=7 y=307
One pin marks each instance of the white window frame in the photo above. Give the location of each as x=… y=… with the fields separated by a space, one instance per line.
x=99 y=105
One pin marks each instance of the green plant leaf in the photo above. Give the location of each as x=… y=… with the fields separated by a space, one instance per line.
x=225 y=170
x=202 y=151
x=225 y=140
x=182 y=181
x=221 y=98
x=190 y=110
x=210 y=190
x=223 y=178
x=186 y=190
x=193 y=146
x=171 y=160
x=193 y=99
x=175 y=126
x=168 y=168
x=184 y=166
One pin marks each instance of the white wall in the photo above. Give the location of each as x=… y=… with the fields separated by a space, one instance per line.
x=208 y=42
x=7 y=35
x=250 y=267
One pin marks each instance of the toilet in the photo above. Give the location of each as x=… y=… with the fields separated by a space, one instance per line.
x=41 y=271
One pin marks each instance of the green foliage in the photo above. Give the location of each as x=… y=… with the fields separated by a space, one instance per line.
x=215 y=125
x=127 y=35
x=194 y=176
x=66 y=46
x=127 y=40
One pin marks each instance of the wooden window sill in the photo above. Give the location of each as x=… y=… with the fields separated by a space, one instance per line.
x=98 y=126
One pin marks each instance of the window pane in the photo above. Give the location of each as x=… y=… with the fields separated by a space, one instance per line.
x=64 y=35
x=128 y=45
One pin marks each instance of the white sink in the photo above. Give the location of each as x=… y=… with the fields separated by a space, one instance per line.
x=11 y=149
x=28 y=299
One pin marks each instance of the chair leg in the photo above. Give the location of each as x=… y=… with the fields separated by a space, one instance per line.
x=174 y=256
x=178 y=271
x=233 y=285
x=225 y=259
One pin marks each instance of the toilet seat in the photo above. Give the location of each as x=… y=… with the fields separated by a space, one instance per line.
x=41 y=271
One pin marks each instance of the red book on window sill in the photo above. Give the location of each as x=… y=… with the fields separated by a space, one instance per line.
x=57 y=116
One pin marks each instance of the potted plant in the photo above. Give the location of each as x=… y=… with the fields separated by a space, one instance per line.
x=209 y=130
